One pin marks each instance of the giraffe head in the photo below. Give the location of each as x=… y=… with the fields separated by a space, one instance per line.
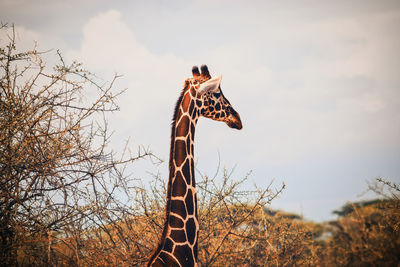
x=211 y=101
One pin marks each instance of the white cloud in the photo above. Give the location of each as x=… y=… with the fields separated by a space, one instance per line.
x=109 y=46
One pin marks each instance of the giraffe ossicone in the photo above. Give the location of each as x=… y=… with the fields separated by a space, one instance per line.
x=201 y=97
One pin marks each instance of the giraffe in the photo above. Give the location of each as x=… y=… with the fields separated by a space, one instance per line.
x=201 y=96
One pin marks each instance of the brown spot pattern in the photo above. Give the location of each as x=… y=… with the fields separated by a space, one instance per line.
x=178 y=207
x=191 y=108
x=169 y=244
x=193 y=91
x=179 y=186
x=185 y=102
x=186 y=171
x=188 y=145
x=189 y=202
x=183 y=127
x=192 y=169
x=178 y=235
x=191 y=230
x=175 y=222
x=192 y=130
x=180 y=152
x=184 y=255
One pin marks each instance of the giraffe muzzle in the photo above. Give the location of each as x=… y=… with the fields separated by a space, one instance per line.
x=234 y=121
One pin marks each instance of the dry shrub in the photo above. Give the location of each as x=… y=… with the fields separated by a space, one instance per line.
x=58 y=180
x=368 y=234
x=229 y=219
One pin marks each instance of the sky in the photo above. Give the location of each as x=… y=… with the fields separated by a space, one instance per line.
x=316 y=83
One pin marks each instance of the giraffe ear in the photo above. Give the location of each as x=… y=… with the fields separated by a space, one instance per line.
x=210 y=85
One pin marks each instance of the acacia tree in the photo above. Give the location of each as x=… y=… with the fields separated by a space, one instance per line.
x=56 y=175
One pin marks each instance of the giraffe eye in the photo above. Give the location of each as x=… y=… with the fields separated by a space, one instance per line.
x=216 y=95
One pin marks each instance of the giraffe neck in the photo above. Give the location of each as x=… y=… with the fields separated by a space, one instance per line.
x=178 y=244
